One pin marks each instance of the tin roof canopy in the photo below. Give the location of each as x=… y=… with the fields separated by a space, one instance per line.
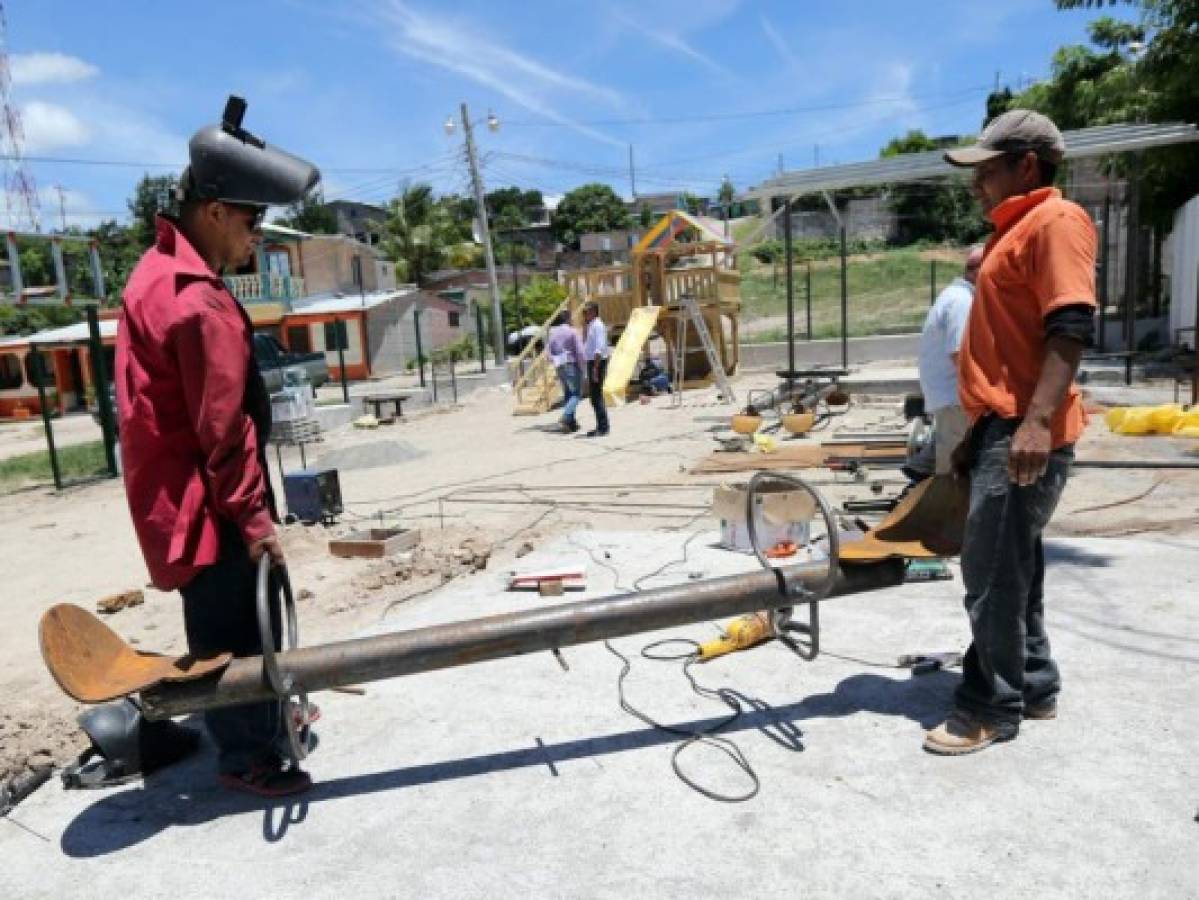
x=1097 y=141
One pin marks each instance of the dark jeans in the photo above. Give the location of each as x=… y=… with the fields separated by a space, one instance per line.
x=595 y=387
x=1008 y=664
x=220 y=614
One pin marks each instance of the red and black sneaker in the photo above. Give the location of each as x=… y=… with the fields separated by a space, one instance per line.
x=267 y=780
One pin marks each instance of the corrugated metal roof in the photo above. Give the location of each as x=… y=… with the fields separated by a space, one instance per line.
x=348 y=303
x=1097 y=141
x=66 y=334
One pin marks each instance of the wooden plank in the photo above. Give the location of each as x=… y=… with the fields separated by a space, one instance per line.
x=375 y=543
x=800 y=456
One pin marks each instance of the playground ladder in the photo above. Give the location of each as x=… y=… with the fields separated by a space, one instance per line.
x=690 y=310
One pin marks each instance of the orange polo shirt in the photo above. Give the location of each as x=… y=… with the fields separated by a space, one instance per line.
x=1040 y=258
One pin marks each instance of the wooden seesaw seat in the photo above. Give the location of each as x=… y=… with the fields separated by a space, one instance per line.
x=929 y=522
x=93 y=664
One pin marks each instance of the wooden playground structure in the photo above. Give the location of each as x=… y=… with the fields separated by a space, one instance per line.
x=677 y=257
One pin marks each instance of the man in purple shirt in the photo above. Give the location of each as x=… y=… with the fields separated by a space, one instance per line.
x=565 y=351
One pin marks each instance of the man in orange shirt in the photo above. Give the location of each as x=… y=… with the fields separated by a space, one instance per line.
x=1031 y=318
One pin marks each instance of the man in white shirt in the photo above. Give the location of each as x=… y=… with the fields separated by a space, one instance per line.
x=939 y=342
x=595 y=355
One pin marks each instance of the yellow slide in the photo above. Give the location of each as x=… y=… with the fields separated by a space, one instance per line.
x=623 y=362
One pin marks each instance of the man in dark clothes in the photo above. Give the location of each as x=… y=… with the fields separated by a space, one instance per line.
x=194 y=420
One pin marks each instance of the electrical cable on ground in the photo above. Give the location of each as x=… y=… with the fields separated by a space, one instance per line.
x=690 y=658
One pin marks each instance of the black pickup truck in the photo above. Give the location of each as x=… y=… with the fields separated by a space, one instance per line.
x=274 y=360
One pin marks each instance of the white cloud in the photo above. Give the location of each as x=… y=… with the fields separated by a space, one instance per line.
x=49 y=68
x=50 y=127
x=780 y=45
x=486 y=61
x=673 y=42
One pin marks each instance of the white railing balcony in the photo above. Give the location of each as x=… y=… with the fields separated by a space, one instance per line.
x=248 y=288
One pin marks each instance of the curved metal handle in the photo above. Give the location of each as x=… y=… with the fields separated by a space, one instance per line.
x=298 y=736
x=780 y=619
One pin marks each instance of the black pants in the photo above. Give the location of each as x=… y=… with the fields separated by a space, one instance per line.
x=219 y=615
x=595 y=386
x=1008 y=665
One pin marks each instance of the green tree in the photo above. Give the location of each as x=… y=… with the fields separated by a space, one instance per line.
x=511 y=207
x=944 y=211
x=538 y=299
x=1133 y=71
x=592 y=207
x=310 y=214
x=120 y=249
x=646 y=218
x=154 y=194
x=419 y=232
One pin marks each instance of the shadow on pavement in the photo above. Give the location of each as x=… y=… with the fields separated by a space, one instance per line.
x=133 y=816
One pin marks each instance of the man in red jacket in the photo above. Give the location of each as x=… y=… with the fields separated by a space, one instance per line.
x=194 y=419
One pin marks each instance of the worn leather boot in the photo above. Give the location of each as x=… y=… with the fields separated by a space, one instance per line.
x=1041 y=712
x=963 y=733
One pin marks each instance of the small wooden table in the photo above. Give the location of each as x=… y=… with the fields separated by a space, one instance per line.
x=378 y=401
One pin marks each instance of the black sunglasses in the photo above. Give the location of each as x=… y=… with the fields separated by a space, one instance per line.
x=256 y=213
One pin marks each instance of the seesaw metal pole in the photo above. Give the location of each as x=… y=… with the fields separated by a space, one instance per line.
x=510 y=634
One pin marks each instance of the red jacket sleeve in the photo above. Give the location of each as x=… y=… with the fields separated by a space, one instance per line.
x=213 y=357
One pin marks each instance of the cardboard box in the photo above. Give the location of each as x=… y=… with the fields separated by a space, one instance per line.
x=782 y=514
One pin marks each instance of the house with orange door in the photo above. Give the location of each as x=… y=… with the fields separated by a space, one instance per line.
x=296 y=288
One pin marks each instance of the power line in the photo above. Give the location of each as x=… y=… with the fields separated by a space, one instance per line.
x=146 y=164
x=754 y=114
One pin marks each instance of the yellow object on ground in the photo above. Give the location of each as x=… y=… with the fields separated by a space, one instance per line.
x=765 y=443
x=739 y=634
x=1169 y=418
x=623 y=362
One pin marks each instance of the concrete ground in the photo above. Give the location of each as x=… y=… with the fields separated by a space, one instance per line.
x=513 y=777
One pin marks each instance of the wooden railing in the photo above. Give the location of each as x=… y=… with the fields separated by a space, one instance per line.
x=611 y=288
x=532 y=376
x=278 y=287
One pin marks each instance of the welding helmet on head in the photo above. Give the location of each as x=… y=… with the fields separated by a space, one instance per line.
x=230 y=164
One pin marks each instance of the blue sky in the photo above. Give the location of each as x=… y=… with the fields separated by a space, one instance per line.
x=363 y=89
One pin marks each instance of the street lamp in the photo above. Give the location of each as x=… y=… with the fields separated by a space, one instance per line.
x=472 y=160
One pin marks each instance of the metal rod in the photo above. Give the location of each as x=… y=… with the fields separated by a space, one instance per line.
x=1133 y=257
x=844 y=302
x=100 y=383
x=808 y=297
x=420 y=354
x=788 y=256
x=1135 y=464
x=37 y=362
x=497 y=637
x=339 y=329
x=1104 y=261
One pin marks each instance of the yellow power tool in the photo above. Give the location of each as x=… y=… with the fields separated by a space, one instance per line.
x=740 y=634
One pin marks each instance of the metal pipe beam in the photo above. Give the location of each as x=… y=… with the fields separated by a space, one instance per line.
x=497 y=637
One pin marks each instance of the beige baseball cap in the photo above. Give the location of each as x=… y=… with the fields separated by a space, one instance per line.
x=1016 y=131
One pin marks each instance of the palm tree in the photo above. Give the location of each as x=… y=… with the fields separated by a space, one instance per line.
x=419 y=232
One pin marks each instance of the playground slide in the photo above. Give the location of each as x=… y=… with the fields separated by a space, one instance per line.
x=623 y=364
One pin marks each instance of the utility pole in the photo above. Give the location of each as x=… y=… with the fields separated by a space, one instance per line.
x=62 y=206
x=497 y=307
x=632 y=174
x=520 y=318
